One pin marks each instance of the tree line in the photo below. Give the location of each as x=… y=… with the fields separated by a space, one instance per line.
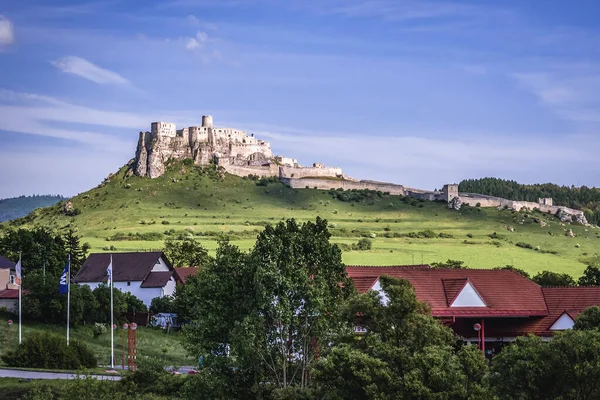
x=583 y=198
x=17 y=207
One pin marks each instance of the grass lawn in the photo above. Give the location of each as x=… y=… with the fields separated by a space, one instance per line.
x=154 y=343
x=189 y=201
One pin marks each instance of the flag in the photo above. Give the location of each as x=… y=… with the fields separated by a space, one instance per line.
x=109 y=271
x=63 y=286
x=18 y=272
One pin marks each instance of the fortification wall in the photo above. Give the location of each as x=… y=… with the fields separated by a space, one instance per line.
x=490 y=201
x=267 y=171
x=325 y=184
x=239 y=150
x=308 y=172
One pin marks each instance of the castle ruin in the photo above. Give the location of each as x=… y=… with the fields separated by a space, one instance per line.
x=203 y=144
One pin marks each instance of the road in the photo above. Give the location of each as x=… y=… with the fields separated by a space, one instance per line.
x=15 y=373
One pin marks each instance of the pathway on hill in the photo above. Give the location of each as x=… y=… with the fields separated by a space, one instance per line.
x=16 y=373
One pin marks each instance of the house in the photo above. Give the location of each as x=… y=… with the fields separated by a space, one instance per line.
x=183 y=273
x=7 y=274
x=496 y=305
x=9 y=292
x=145 y=275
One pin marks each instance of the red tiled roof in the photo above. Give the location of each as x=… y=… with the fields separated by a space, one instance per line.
x=506 y=293
x=131 y=266
x=157 y=279
x=452 y=288
x=183 y=273
x=364 y=283
x=10 y=294
x=365 y=270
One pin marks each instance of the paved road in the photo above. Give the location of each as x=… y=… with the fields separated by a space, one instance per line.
x=15 y=373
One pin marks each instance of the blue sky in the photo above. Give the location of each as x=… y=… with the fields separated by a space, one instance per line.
x=414 y=92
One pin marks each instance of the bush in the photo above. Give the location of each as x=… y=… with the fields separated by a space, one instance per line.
x=363 y=244
x=43 y=350
x=98 y=329
x=162 y=305
x=524 y=245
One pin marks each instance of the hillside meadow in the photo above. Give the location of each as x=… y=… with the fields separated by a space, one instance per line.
x=130 y=213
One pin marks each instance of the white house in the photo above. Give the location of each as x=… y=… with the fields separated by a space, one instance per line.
x=145 y=275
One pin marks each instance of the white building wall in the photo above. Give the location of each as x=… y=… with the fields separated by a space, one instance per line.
x=382 y=295
x=160 y=266
x=468 y=297
x=169 y=289
x=563 y=323
x=144 y=294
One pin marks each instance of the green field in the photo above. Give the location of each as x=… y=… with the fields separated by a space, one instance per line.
x=189 y=201
x=151 y=342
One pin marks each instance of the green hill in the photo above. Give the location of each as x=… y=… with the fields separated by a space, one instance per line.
x=17 y=207
x=129 y=213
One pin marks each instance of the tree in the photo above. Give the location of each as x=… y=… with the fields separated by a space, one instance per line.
x=563 y=368
x=164 y=304
x=77 y=252
x=133 y=303
x=588 y=319
x=102 y=295
x=454 y=264
x=591 y=276
x=514 y=269
x=404 y=353
x=39 y=247
x=186 y=253
x=549 y=278
x=266 y=313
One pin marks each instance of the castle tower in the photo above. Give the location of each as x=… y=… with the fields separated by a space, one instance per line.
x=207 y=121
x=450 y=191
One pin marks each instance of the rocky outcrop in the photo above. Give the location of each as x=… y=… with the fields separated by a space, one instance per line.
x=455 y=203
x=566 y=216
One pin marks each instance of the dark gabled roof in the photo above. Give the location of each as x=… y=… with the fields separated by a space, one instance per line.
x=157 y=279
x=183 y=273
x=132 y=266
x=5 y=263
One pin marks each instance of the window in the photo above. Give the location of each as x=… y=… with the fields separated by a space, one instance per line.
x=128 y=283
x=11 y=279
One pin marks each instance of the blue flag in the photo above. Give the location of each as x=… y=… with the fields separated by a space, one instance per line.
x=63 y=286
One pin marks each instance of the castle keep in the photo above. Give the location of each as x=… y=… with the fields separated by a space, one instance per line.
x=202 y=144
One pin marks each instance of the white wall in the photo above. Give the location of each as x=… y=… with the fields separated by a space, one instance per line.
x=160 y=266
x=144 y=294
x=563 y=323
x=169 y=289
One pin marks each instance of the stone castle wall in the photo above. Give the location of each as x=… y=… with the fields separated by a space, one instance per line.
x=490 y=201
x=326 y=184
x=262 y=171
x=308 y=172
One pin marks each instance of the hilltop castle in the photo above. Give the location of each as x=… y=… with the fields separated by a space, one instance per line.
x=204 y=143
x=243 y=155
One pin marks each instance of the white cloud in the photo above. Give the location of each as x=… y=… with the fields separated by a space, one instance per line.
x=196 y=42
x=7 y=35
x=84 y=68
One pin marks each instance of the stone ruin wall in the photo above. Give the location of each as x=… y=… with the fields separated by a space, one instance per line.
x=309 y=172
x=490 y=201
x=261 y=171
x=325 y=184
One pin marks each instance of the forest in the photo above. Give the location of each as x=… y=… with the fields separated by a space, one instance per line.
x=17 y=207
x=583 y=197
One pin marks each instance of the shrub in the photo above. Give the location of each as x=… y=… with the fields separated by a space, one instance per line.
x=165 y=222
x=98 y=329
x=524 y=245
x=363 y=244
x=43 y=350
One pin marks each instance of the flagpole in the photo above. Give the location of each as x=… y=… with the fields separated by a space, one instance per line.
x=20 y=289
x=68 y=295
x=112 y=331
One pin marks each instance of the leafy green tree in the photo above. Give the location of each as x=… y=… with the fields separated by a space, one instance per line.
x=514 y=269
x=186 y=253
x=588 y=319
x=404 y=353
x=266 y=313
x=591 y=276
x=38 y=247
x=563 y=368
x=549 y=278
x=164 y=304
x=454 y=264
x=102 y=295
x=133 y=303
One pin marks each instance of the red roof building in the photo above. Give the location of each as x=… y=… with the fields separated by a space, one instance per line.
x=501 y=304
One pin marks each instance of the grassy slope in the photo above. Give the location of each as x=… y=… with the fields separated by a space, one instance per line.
x=150 y=342
x=192 y=202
